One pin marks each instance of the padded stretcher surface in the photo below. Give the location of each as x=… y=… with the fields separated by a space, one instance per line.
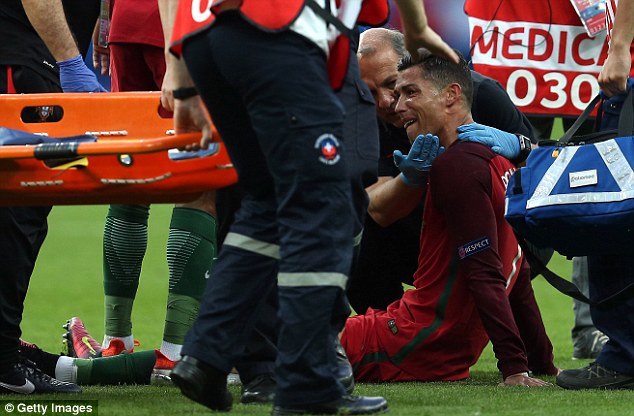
x=133 y=160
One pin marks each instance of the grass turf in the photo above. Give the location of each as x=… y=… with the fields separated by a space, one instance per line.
x=68 y=282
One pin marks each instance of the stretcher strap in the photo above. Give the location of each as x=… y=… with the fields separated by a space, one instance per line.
x=59 y=150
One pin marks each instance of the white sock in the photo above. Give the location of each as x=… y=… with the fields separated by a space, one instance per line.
x=127 y=341
x=171 y=351
x=65 y=369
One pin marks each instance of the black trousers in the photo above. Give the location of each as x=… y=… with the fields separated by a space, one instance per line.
x=360 y=132
x=609 y=274
x=269 y=98
x=22 y=232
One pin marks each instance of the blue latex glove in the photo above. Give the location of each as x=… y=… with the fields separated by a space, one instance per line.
x=417 y=163
x=75 y=76
x=503 y=143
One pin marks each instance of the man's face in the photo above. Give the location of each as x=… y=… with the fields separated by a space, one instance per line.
x=419 y=104
x=379 y=72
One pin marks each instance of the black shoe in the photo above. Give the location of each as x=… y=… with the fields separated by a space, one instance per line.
x=259 y=390
x=202 y=383
x=26 y=378
x=588 y=343
x=346 y=405
x=594 y=376
x=44 y=361
x=345 y=375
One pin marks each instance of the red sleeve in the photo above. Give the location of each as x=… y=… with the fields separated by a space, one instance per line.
x=461 y=187
x=531 y=327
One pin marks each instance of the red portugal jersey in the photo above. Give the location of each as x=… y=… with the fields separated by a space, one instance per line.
x=136 y=21
x=469 y=263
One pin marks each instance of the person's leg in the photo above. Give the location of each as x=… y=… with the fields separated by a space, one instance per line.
x=124 y=368
x=136 y=67
x=227 y=204
x=191 y=249
x=231 y=301
x=311 y=184
x=587 y=340
x=292 y=151
x=191 y=244
x=361 y=139
x=608 y=274
x=360 y=340
x=125 y=230
x=614 y=366
x=22 y=233
x=236 y=274
x=257 y=364
x=124 y=245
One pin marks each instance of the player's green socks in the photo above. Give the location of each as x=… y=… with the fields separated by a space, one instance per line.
x=124 y=246
x=124 y=368
x=191 y=248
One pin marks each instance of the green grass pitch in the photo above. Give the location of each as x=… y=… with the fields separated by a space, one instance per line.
x=68 y=282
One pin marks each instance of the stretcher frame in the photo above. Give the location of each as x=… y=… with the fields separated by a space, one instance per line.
x=128 y=163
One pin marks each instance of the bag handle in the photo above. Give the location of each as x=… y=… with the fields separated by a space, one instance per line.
x=580 y=120
x=567 y=287
x=626 y=118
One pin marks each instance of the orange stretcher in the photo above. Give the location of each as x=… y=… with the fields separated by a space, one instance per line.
x=133 y=160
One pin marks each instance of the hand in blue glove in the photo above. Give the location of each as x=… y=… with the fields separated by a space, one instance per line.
x=503 y=143
x=417 y=163
x=75 y=76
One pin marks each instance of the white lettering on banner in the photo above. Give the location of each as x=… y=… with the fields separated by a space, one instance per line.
x=531 y=87
x=552 y=47
x=557 y=85
x=576 y=87
x=546 y=69
x=201 y=14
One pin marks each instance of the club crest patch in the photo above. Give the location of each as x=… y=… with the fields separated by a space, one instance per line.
x=474 y=247
x=392 y=325
x=328 y=146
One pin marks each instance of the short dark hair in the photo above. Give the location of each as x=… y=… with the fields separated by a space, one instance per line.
x=441 y=72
